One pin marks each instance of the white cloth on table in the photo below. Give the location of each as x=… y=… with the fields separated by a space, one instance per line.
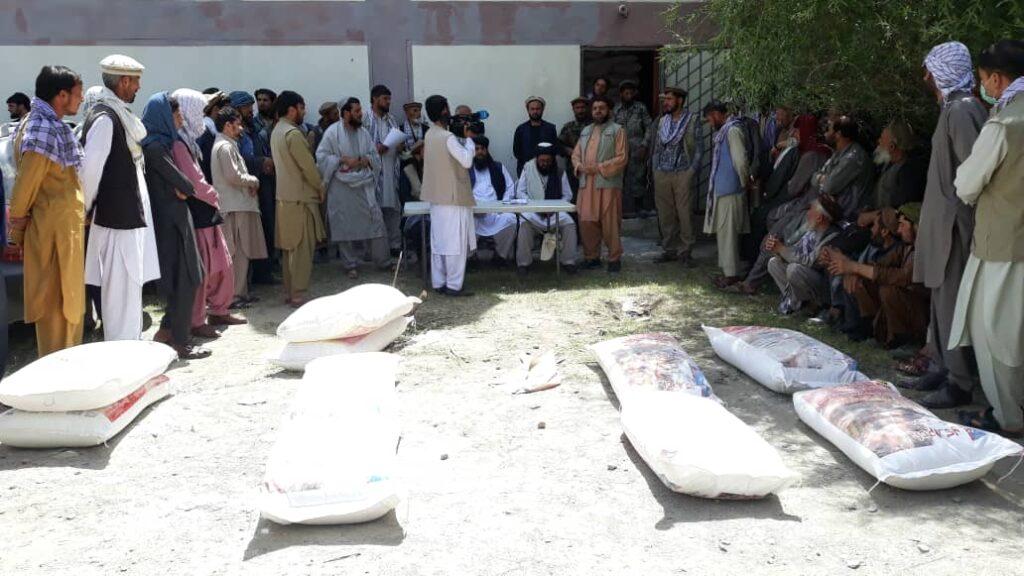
x=483 y=191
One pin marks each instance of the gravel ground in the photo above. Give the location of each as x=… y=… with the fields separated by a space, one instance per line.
x=175 y=493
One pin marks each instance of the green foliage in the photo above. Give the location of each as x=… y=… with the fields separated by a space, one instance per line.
x=855 y=55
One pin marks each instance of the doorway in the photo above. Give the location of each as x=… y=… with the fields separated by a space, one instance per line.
x=618 y=64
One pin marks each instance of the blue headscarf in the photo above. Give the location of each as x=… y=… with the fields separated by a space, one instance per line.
x=239 y=99
x=159 y=121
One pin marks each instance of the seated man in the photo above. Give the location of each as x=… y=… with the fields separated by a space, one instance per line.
x=888 y=302
x=543 y=180
x=795 y=269
x=492 y=182
x=902 y=175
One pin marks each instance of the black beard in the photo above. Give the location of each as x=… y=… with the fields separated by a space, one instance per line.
x=544 y=170
x=481 y=163
x=355 y=123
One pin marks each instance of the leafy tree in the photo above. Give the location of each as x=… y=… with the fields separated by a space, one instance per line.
x=863 y=56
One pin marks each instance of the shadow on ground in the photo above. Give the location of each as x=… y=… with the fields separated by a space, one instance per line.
x=270 y=537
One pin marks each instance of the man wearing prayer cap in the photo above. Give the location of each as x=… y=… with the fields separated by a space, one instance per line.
x=947 y=224
x=330 y=112
x=532 y=132
x=796 y=269
x=414 y=127
x=121 y=254
x=634 y=118
x=492 y=182
x=542 y=179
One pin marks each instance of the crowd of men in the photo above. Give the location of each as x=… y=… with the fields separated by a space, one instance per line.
x=920 y=253
x=211 y=191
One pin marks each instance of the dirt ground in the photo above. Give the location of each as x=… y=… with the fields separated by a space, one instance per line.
x=175 y=493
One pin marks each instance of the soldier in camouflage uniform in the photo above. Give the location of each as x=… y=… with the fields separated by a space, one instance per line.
x=636 y=120
x=570 y=135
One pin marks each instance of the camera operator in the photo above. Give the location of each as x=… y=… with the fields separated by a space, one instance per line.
x=446 y=186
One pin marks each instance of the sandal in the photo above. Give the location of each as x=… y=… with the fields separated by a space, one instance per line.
x=239 y=304
x=916 y=366
x=723 y=282
x=985 y=420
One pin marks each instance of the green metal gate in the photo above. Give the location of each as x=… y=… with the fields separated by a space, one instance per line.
x=698 y=72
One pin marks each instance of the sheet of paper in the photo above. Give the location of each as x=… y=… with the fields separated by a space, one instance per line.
x=394 y=138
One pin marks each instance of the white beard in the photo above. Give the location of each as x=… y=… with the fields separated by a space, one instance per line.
x=881 y=156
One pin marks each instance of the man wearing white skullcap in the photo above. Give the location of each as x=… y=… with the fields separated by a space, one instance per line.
x=121 y=253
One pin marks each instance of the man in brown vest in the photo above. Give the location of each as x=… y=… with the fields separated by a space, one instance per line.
x=300 y=192
x=989 y=309
x=446 y=186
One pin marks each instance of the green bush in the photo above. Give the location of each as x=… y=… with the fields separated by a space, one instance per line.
x=854 y=55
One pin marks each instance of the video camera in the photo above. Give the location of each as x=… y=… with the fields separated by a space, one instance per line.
x=474 y=122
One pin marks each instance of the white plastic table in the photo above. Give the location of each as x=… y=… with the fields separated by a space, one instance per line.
x=492 y=207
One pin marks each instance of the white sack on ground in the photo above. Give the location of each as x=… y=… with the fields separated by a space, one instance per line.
x=649 y=362
x=79 y=428
x=697 y=447
x=898 y=441
x=334 y=460
x=358 y=310
x=296 y=355
x=85 y=377
x=783 y=360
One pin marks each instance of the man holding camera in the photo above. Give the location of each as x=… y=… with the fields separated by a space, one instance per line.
x=447 y=187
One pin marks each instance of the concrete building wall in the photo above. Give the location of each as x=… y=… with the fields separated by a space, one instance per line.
x=319 y=73
x=498 y=79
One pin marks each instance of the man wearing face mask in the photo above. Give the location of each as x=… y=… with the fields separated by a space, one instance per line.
x=543 y=180
x=989 y=314
x=947 y=224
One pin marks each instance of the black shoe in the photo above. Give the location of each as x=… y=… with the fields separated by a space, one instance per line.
x=443 y=290
x=687 y=260
x=614 y=267
x=949 y=396
x=592 y=264
x=665 y=257
x=570 y=269
x=457 y=293
x=522 y=271
x=927 y=383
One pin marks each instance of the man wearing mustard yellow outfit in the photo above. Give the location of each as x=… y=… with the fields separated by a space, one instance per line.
x=300 y=191
x=47 y=212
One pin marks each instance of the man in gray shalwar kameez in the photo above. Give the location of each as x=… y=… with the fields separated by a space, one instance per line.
x=379 y=122
x=349 y=162
x=947 y=224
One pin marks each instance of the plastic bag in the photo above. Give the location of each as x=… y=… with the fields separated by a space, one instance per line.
x=296 y=355
x=85 y=377
x=79 y=428
x=697 y=447
x=783 y=360
x=898 y=441
x=653 y=361
x=334 y=459
x=356 y=311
